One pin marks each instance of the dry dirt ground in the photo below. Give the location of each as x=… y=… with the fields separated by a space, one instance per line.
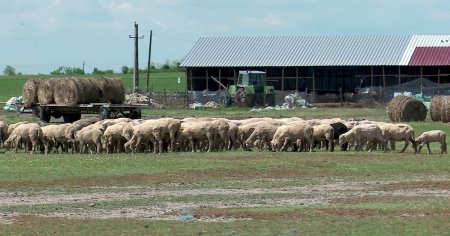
x=164 y=207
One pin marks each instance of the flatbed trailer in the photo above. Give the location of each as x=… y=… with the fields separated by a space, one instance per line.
x=73 y=113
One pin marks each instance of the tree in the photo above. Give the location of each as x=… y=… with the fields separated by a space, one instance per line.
x=65 y=70
x=125 y=69
x=9 y=70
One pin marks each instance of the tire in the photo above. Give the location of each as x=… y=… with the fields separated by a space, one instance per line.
x=44 y=114
x=136 y=114
x=69 y=118
x=270 y=100
x=105 y=113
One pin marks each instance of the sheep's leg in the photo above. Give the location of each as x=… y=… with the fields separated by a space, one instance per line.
x=443 y=147
x=406 y=146
x=392 y=145
x=428 y=146
x=284 y=147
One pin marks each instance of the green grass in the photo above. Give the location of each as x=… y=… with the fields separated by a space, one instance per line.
x=11 y=86
x=365 y=213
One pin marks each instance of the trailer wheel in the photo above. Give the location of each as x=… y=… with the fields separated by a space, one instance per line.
x=105 y=113
x=69 y=118
x=44 y=114
x=136 y=114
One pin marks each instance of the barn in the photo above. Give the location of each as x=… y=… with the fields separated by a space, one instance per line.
x=322 y=64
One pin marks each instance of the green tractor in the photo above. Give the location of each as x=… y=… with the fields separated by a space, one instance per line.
x=251 y=90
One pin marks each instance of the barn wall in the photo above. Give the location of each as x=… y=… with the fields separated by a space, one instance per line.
x=320 y=79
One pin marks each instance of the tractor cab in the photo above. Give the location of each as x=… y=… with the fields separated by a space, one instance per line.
x=251 y=89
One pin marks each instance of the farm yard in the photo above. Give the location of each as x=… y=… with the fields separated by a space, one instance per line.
x=229 y=192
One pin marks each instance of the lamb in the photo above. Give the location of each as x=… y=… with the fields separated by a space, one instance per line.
x=430 y=137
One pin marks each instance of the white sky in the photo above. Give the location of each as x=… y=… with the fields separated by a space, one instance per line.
x=38 y=36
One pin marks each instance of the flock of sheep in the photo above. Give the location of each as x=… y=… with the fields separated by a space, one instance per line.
x=212 y=134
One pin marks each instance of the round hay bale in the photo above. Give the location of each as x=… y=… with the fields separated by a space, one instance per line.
x=110 y=90
x=435 y=108
x=403 y=108
x=72 y=91
x=30 y=92
x=445 y=109
x=413 y=110
x=393 y=111
x=46 y=91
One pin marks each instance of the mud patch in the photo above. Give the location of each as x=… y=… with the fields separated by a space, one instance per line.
x=420 y=184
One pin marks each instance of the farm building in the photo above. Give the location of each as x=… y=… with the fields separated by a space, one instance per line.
x=322 y=64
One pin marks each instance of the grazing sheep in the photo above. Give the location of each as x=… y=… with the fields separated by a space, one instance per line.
x=3 y=132
x=325 y=133
x=26 y=134
x=430 y=137
x=397 y=133
x=362 y=134
x=288 y=135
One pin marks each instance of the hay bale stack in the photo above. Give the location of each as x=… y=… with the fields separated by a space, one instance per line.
x=445 y=109
x=46 y=91
x=110 y=90
x=402 y=108
x=30 y=92
x=435 y=108
x=72 y=91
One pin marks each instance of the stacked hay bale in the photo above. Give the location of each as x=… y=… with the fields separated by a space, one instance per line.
x=110 y=90
x=73 y=91
x=445 y=109
x=403 y=108
x=30 y=92
x=435 y=108
x=46 y=91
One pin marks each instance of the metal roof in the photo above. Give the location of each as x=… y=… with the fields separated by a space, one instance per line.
x=430 y=56
x=285 y=51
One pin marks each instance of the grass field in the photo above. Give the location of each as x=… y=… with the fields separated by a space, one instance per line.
x=229 y=193
x=12 y=85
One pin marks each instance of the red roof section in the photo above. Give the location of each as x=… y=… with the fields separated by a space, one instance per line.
x=430 y=56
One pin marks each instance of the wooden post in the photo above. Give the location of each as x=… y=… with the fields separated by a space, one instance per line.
x=313 y=94
x=421 y=78
x=207 y=85
x=384 y=78
x=234 y=76
x=192 y=80
x=439 y=75
x=399 y=76
x=371 y=76
x=282 y=79
x=296 y=79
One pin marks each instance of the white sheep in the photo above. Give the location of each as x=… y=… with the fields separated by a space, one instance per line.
x=430 y=137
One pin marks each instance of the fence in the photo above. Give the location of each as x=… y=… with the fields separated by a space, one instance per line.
x=365 y=95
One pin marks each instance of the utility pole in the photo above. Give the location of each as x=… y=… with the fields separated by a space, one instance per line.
x=136 y=57
x=149 y=57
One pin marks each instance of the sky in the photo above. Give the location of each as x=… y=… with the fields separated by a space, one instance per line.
x=38 y=36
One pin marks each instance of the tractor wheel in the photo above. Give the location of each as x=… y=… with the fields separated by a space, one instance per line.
x=250 y=100
x=270 y=100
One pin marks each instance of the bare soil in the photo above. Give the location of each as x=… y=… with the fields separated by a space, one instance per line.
x=224 y=210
